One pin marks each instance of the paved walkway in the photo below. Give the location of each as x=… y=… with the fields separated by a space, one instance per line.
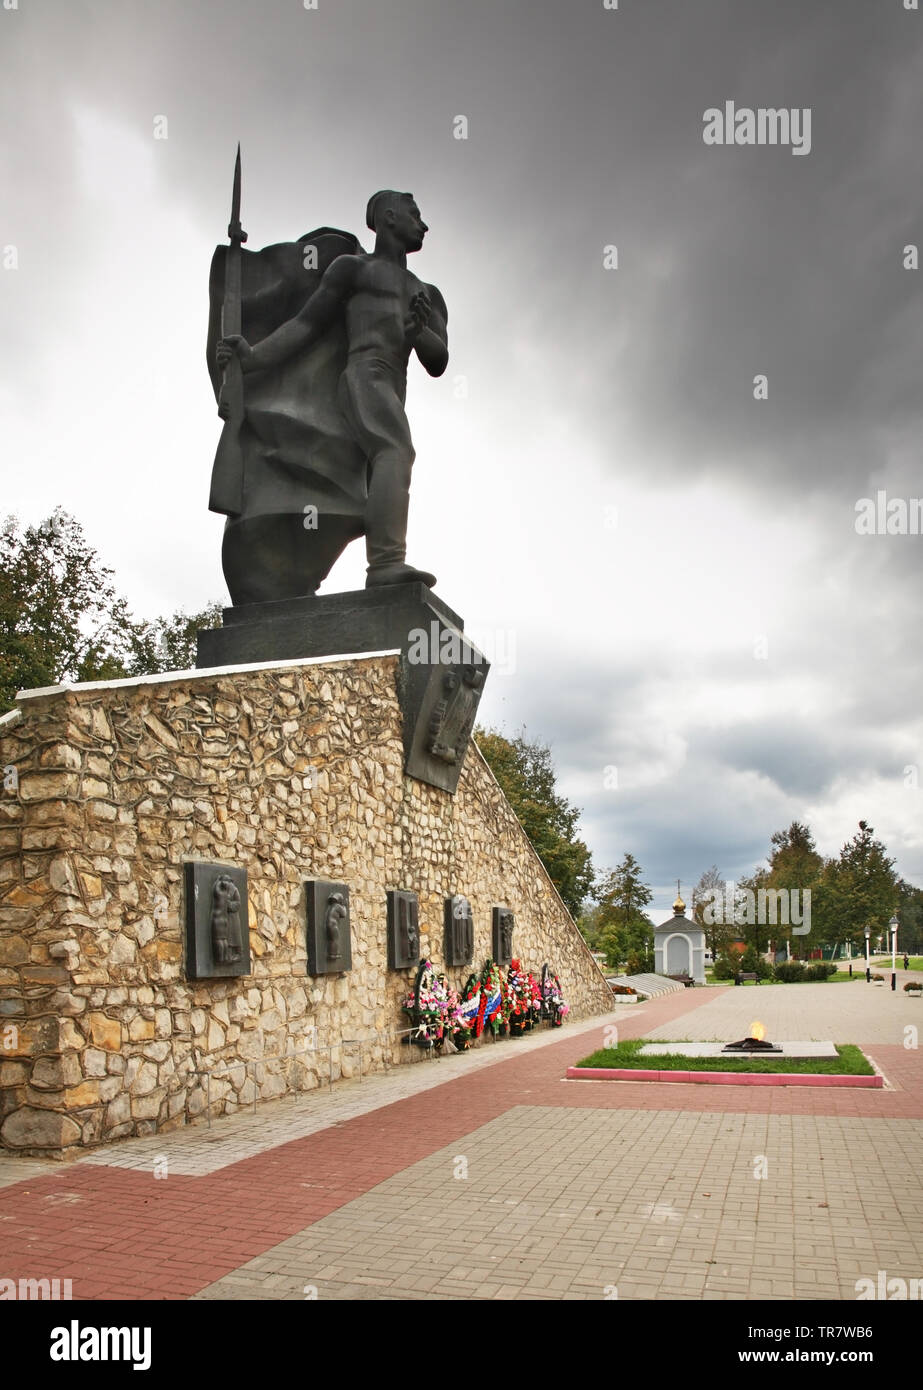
x=487 y=1175
x=846 y=1012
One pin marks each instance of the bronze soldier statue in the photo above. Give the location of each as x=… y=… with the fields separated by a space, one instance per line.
x=382 y=313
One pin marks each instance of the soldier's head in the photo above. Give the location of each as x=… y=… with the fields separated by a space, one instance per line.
x=397 y=214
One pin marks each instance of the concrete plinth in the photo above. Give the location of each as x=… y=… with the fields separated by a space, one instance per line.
x=716 y=1049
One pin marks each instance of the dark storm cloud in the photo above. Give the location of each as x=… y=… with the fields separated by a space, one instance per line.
x=586 y=129
x=585 y=384
x=735 y=261
x=801 y=762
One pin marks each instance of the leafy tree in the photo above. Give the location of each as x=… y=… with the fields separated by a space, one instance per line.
x=589 y=925
x=859 y=889
x=728 y=963
x=624 y=931
x=827 y=891
x=61 y=618
x=710 y=912
x=525 y=772
x=910 y=915
x=750 y=930
x=753 y=963
x=169 y=644
x=846 y=893
x=794 y=862
x=632 y=942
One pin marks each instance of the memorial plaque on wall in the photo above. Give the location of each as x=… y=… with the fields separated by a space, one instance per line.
x=459 y=931
x=503 y=923
x=403 y=930
x=217 y=921
x=329 y=935
x=443 y=677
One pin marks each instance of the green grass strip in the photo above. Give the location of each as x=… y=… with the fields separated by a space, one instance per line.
x=850 y=1061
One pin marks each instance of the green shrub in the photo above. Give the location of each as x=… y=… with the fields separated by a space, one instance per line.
x=726 y=967
x=789 y=971
x=819 y=970
x=752 y=963
x=793 y=972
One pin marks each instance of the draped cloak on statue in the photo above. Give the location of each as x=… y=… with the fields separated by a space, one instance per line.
x=304 y=485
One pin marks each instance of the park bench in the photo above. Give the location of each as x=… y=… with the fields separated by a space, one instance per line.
x=746 y=975
x=685 y=980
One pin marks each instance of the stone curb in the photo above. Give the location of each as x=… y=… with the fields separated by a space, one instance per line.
x=721 y=1078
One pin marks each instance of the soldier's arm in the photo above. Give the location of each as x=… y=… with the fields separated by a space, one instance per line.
x=432 y=342
x=311 y=322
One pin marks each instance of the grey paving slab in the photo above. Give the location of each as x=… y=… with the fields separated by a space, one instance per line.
x=572 y=1203
x=13 y=1169
x=840 y=1013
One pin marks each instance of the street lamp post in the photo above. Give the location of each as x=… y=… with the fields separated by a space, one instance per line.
x=868 y=968
x=893 y=924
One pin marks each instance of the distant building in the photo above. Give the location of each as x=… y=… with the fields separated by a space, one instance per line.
x=679 y=945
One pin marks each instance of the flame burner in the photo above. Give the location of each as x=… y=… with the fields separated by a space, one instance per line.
x=751 y=1045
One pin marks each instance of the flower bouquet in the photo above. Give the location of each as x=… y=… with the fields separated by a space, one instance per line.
x=535 y=1001
x=457 y=1032
x=426 y=1007
x=555 y=1007
x=494 y=1010
x=469 y=1010
x=520 y=1002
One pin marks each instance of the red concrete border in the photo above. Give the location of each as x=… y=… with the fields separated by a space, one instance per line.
x=721 y=1078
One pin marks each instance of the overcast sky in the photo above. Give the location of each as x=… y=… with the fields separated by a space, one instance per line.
x=666 y=570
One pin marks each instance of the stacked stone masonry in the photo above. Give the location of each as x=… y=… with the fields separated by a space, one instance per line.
x=292 y=772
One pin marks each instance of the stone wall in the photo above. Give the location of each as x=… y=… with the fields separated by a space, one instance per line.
x=293 y=772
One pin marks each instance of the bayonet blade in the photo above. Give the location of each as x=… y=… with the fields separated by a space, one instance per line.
x=227 y=474
x=235 y=230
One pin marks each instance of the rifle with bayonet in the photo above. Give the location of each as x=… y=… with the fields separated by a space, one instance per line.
x=227 y=486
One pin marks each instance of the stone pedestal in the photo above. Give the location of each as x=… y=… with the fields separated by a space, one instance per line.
x=365 y=620
x=442 y=673
x=292 y=774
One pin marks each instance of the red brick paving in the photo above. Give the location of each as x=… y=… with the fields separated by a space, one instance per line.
x=133 y=1236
